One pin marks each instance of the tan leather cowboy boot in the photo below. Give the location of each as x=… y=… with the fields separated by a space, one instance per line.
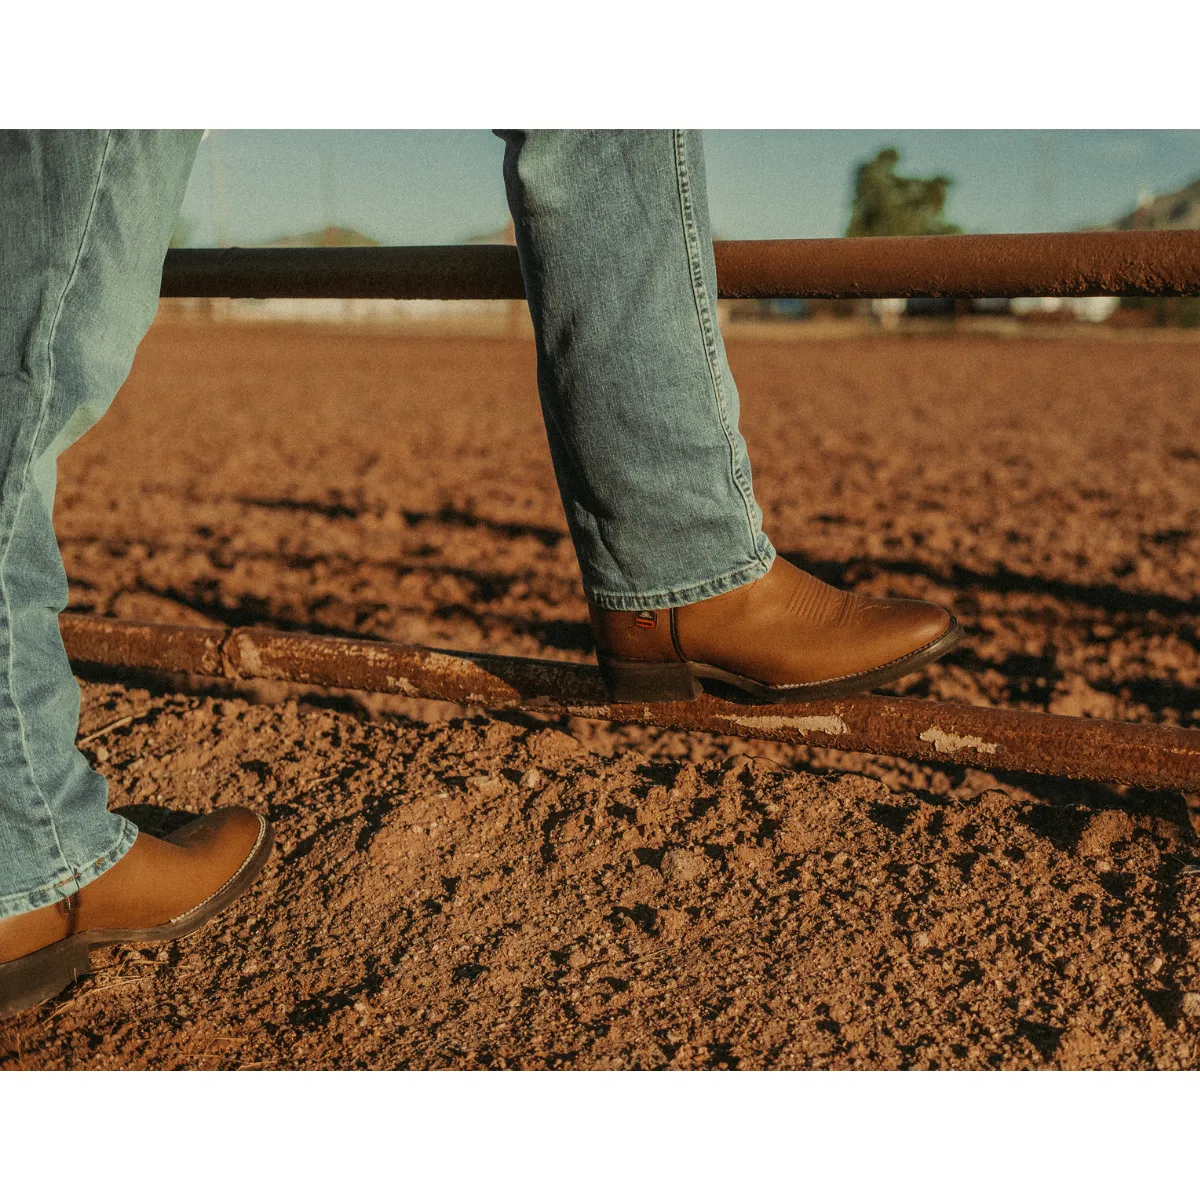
x=786 y=636
x=163 y=888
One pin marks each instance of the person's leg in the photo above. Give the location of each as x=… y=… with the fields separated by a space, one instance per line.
x=642 y=418
x=84 y=222
x=85 y=218
x=641 y=409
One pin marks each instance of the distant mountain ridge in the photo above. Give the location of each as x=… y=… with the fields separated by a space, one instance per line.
x=331 y=235
x=340 y=235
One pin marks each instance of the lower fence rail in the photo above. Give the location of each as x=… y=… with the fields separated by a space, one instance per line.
x=991 y=738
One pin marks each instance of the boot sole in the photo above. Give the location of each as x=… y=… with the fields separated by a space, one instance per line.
x=642 y=682
x=34 y=978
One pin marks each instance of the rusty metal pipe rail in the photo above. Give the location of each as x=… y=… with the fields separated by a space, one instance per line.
x=991 y=738
x=1122 y=263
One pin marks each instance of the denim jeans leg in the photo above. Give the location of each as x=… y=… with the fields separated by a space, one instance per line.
x=640 y=408
x=85 y=218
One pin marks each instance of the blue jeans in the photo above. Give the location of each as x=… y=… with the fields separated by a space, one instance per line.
x=641 y=411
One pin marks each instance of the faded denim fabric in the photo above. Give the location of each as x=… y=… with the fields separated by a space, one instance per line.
x=641 y=411
x=85 y=218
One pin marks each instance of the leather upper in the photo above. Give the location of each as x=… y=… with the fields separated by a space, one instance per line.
x=156 y=881
x=786 y=627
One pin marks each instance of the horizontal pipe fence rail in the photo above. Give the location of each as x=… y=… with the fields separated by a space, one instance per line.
x=1123 y=263
x=993 y=739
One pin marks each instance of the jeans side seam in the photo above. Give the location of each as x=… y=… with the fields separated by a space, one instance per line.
x=701 y=300
x=23 y=492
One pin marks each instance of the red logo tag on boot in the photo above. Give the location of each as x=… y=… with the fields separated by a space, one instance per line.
x=646 y=620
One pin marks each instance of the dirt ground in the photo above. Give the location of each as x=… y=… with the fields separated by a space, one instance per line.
x=459 y=889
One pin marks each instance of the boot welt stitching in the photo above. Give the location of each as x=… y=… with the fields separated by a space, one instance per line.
x=784 y=687
x=262 y=832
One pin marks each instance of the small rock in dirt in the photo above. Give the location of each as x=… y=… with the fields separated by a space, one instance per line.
x=994 y=802
x=1154 y=965
x=486 y=785
x=553 y=745
x=531 y=778
x=1191 y=1004
x=682 y=866
x=1105 y=828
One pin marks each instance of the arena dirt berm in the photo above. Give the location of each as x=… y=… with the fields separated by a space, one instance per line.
x=459 y=889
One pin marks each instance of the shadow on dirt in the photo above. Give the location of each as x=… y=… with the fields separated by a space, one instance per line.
x=1109 y=597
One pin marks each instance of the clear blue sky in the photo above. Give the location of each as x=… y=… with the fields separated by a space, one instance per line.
x=412 y=187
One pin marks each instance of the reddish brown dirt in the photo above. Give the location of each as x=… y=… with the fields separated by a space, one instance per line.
x=460 y=889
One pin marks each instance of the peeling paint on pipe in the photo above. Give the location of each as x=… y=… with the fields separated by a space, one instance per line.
x=991 y=738
x=1121 y=263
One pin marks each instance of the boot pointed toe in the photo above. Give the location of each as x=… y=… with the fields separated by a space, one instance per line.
x=893 y=629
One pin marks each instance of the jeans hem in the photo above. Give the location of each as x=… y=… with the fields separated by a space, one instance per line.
x=51 y=893
x=692 y=594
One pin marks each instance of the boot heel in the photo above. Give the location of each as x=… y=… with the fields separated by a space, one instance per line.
x=35 y=977
x=648 y=681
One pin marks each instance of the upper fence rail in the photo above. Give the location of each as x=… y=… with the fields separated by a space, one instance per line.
x=964 y=266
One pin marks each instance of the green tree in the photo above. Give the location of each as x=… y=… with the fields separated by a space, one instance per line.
x=887 y=204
